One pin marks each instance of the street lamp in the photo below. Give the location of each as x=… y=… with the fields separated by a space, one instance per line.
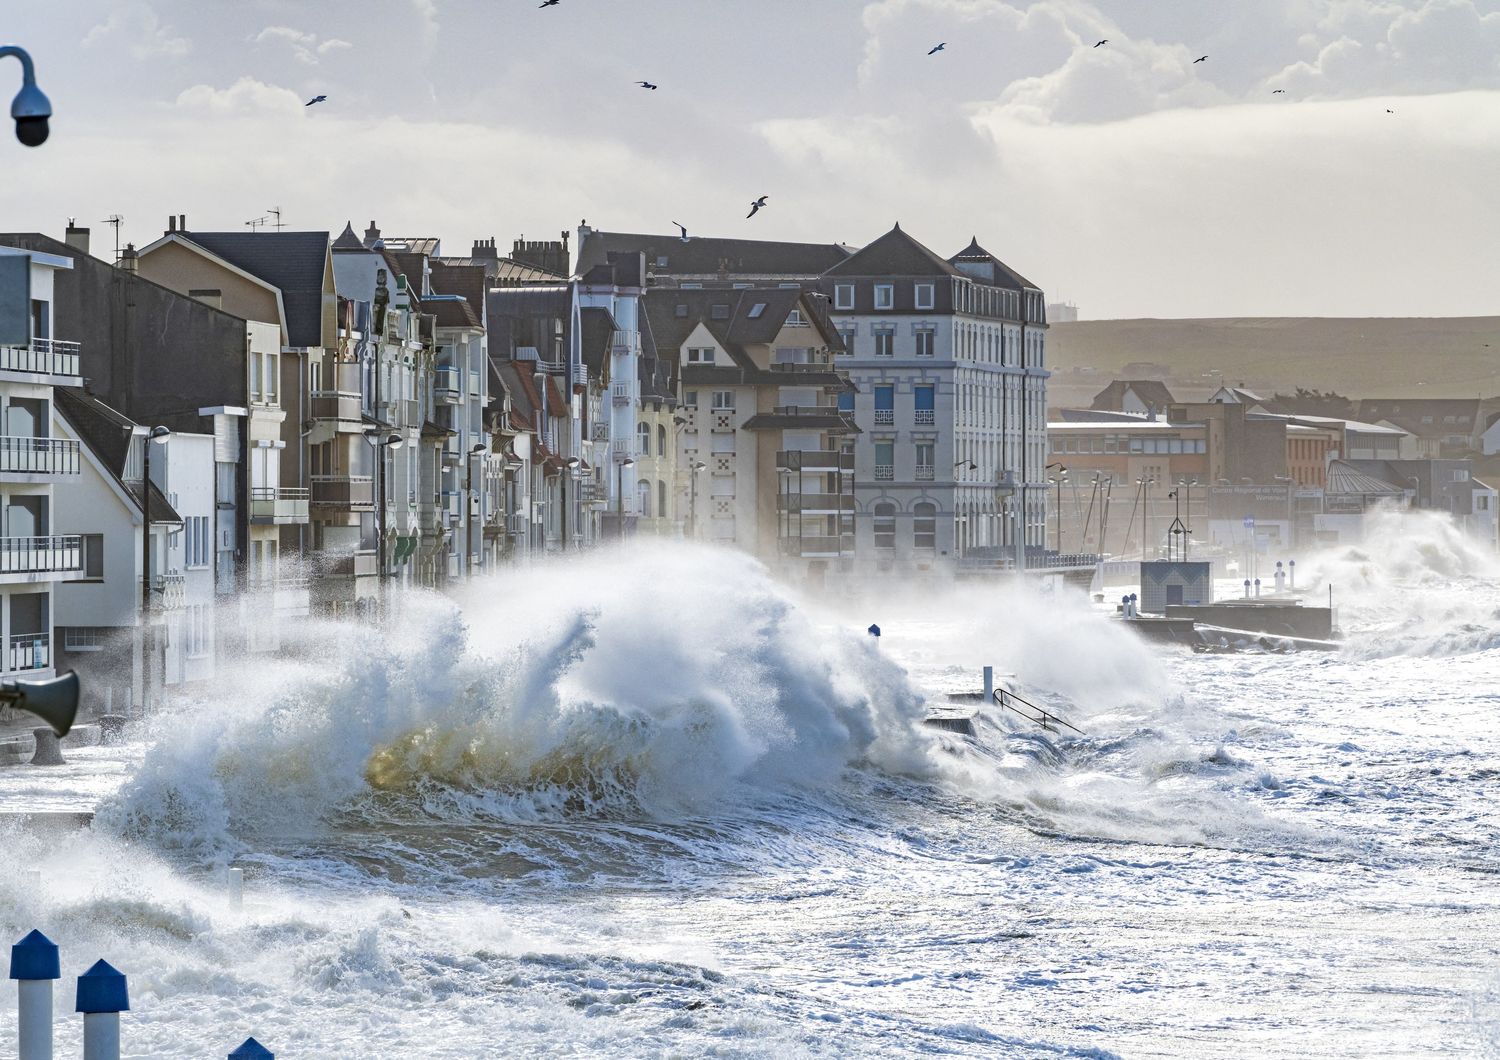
x=620 y=495
x=569 y=466
x=697 y=466
x=392 y=442
x=475 y=450
x=30 y=108
x=1062 y=476
x=1145 y=484
x=156 y=436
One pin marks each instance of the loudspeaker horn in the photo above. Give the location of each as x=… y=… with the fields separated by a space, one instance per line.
x=55 y=701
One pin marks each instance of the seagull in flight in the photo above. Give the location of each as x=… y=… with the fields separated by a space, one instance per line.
x=1389 y=111
x=683 y=229
x=1195 y=62
x=939 y=48
x=548 y=3
x=1102 y=43
x=1277 y=91
x=316 y=99
x=757 y=206
x=647 y=84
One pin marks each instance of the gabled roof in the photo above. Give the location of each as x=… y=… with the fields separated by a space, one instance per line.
x=894 y=254
x=108 y=434
x=293 y=262
x=466 y=280
x=347 y=239
x=707 y=256
x=735 y=318
x=1409 y=413
x=979 y=264
x=1150 y=391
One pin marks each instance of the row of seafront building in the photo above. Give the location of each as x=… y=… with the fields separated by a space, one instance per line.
x=269 y=425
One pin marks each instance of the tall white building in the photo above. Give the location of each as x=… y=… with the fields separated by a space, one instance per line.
x=38 y=552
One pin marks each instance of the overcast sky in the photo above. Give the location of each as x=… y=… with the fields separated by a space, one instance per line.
x=1125 y=177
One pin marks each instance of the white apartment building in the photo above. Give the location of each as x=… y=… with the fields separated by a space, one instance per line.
x=39 y=551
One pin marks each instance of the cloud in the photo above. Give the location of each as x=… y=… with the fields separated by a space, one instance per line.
x=247 y=96
x=139 y=27
x=427 y=12
x=304 y=46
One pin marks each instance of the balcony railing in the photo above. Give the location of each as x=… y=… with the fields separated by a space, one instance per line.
x=808 y=410
x=815 y=502
x=447 y=384
x=278 y=505
x=815 y=460
x=818 y=546
x=625 y=341
x=623 y=393
x=349 y=492
x=336 y=405
x=601 y=432
x=38 y=456
x=41 y=555
x=168 y=591
x=926 y=473
x=885 y=417
x=885 y=472
x=925 y=418
x=42 y=357
x=29 y=651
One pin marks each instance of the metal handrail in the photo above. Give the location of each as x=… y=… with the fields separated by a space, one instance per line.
x=1002 y=697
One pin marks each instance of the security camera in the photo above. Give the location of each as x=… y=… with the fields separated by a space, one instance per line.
x=31 y=109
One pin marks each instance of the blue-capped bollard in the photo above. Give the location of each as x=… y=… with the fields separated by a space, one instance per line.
x=102 y=996
x=34 y=966
x=251 y=1049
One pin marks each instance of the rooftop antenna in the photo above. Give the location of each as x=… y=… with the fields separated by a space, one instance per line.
x=256 y=223
x=275 y=211
x=116 y=221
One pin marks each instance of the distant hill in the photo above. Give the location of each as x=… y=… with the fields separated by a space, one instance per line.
x=1357 y=357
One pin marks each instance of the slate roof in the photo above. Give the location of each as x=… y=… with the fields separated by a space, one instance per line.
x=347 y=239
x=1344 y=477
x=466 y=280
x=107 y=433
x=598 y=330
x=294 y=262
x=452 y=311
x=999 y=274
x=705 y=256
x=1150 y=391
x=1408 y=414
x=894 y=254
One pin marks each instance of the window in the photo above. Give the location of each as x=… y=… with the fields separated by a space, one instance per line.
x=885 y=342
x=661 y=262
x=255 y=377
x=643 y=439
x=1460 y=475
x=843 y=296
x=742 y=286
x=846 y=401
x=885 y=525
x=926 y=340
x=924 y=453
x=924 y=525
x=661 y=498
x=84 y=638
x=925 y=296
x=757 y=310
x=719 y=311
x=723 y=400
x=885 y=296
x=885 y=404
x=846 y=333
x=681 y=310
x=645 y=490
x=795 y=319
x=661 y=440
x=700 y=356
x=93 y=555
x=885 y=461
x=926 y=410
x=690 y=398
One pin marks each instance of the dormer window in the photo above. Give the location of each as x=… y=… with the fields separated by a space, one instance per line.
x=757 y=309
x=700 y=355
x=885 y=296
x=796 y=320
x=720 y=311
x=661 y=262
x=925 y=296
x=681 y=311
x=843 y=296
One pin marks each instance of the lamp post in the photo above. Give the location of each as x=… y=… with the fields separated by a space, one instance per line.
x=697 y=466
x=478 y=447
x=1062 y=476
x=392 y=442
x=156 y=436
x=960 y=522
x=569 y=466
x=620 y=495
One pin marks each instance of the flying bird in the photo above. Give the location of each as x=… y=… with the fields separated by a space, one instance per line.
x=757 y=206
x=548 y=3
x=1102 y=43
x=1204 y=59
x=1277 y=91
x=683 y=228
x=939 y=48
x=1389 y=111
x=315 y=99
x=647 y=84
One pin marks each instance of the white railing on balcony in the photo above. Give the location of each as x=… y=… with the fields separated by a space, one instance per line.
x=925 y=418
x=168 y=591
x=42 y=356
x=447 y=383
x=38 y=456
x=41 y=555
x=601 y=432
x=624 y=393
x=885 y=417
x=269 y=503
x=29 y=651
x=885 y=472
x=926 y=473
x=625 y=341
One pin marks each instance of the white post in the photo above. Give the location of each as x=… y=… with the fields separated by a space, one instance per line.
x=236 y=889
x=989 y=684
x=102 y=996
x=101 y=1036
x=34 y=966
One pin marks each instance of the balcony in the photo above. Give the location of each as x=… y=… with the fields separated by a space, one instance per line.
x=925 y=418
x=278 y=506
x=601 y=432
x=342 y=406
x=813 y=547
x=29 y=651
x=885 y=472
x=168 y=592
x=447 y=385
x=41 y=555
x=815 y=503
x=43 y=357
x=814 y=460
x=926 y=473
x=22 y=455
x=885 y=417
x=349 y=493
x=808 y=410
x=625 y=342
x=516 y=524
x=623 y=393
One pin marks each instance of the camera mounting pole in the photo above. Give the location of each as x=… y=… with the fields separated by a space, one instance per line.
x=31 y=108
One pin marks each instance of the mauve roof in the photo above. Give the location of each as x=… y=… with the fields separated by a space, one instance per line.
x=1151 y=391
x=702 y=256
x=1002 y=274
x=452 y=311
x=294 y=262
x=467 y=280
x=894 y=254
x=1408 y=413
x=107 y=433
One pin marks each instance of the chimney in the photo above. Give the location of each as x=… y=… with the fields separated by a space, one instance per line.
x=171 y=223
x=77 y=238
x=372 y=235
x=129 y=260
x=485 y=250
x=182 y=222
